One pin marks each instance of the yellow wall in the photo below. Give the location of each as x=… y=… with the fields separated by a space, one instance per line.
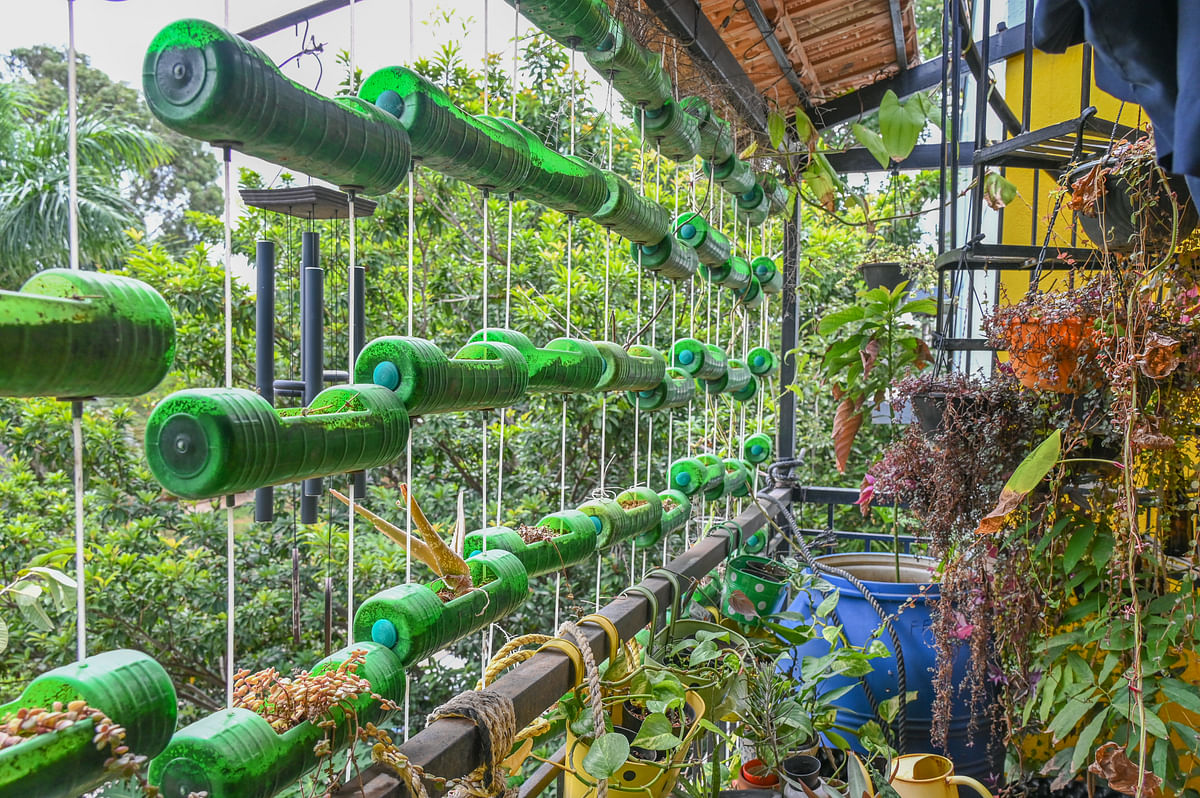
x=1055 y=98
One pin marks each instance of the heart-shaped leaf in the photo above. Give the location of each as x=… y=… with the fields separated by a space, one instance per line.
x=900 y=125
x=606 y=755
x=873 y=143
x=656 y=734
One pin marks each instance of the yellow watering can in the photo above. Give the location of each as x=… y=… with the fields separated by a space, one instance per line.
x=930 y=776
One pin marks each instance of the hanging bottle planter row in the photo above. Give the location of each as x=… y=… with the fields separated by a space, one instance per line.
x=761 y=362
x=565 y=183
x=674 y=132
x=711 y=245
x=753 y=206
x=738 y=481
x=667 y=258
x=638 y=368
x=756 y=448
x=775 y=193
x=770 y=277
x=716 y=135
x=236 y=753
x=128 y=687
x=558 y=541
x=75 y=334
x=699 y=360
x=636 y=73
x=709 y=476
x=207 y=442
x=414 y=622
x=207 y=83
x=732 y=273
x=732 y=174
x=578 y=24
x=634 y=512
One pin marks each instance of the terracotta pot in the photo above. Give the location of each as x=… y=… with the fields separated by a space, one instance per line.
x=756 y=775
x=1045 y=355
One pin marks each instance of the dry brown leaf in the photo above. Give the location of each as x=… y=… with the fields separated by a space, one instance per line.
x=516 y=759
x=1161 y=356
x=1114 y=766
x=924 y=355
x=453 y=570
x=1088 y=190
x=1145 y=436
x=994 y=521
x=740 y=603
x=846 y=423
x=869 y=354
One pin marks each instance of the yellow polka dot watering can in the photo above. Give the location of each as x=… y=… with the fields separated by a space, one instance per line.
x=930 y=776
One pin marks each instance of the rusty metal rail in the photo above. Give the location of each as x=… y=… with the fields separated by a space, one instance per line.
x=450 y=748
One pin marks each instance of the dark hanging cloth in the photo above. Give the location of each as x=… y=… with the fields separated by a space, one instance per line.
x=1145 y=52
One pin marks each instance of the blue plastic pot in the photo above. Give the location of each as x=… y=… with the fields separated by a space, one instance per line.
x=877 y=571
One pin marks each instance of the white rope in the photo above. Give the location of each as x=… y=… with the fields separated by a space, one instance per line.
x=352 y=331
x=604 y=322
x=408 y=452
x=483 y=484
x=508 y=270
x=76 y=407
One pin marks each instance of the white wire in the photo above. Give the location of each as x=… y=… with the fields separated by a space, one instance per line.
x=352 y=330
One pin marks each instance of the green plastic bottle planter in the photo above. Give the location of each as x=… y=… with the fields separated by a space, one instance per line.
x=209 y=84
x=644 y=509
x=757 y=448
x=751 y=295
x=753 y=206
x=775 y=193
x=733 y=381
x=749 y=391
x=444 y=137
x=563 y=182
x=578 y=24
x=762 y=580
x=712 y=247
x=668 y=258
x=714 y=485
x=677 y=389
x=732 y=174
x=761 y=362
x=770 y=278
x=636 y=73
x=482 y=375
x=206 y=442
x=612 y=524
x=129 y=687
x=674 y=132
x=574 y=543
x=234 y=753
x=732 y=273
x=76 y=334
x=702 y=361
x=737 y=478
x=629 y=214
x=754 y=544
x=639 y=368
x=414 y=622
x=689 y=476
x=676 y=510
x=716 y=136
x=565 y=365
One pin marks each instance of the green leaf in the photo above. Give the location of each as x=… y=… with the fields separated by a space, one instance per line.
x=656 y=734
x=827 y=605
x=776 y=128
x=1087 y=738
x=900 y=125
x=1068 y=716
x=873 y=143
x=1182 y=694
x=998 y=191
x=840 y=318
x=926 y=307
x=606 y=755
x=1076 y=548
x=1036 y=465
x=36 y=616
x=3 y=635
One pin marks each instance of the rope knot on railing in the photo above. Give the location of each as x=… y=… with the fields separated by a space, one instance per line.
x=494 y=716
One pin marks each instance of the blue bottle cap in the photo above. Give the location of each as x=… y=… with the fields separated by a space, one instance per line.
x=384 y=632
x=387 y=375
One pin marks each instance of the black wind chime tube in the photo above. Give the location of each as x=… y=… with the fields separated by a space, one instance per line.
x=264 y=353
x=312 y=346
x=789 y=334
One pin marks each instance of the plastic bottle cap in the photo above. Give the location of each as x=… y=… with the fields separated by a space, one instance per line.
x=687 y=231
x=387 y=375
x=686 y=357
x=646 y=394
x=609 y=42
x=759 y=361
x=596 y=522
x=384 y=632
x=756 y=450
x=474 y=553
x=753 y=540
x=649 y=249
x=654 y=114
x=390 y=101
x=683 y=479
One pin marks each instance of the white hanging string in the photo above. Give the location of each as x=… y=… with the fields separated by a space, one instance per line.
x=604 y=323
x=352 y=331
x=76 y=407
x=230 y=570
x=408 y=450
x=508 y=268
x=483 y=483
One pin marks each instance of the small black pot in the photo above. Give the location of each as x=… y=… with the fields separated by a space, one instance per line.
x=1113 y=225
x=882 y=275
x=930 y=408
x=803 y=768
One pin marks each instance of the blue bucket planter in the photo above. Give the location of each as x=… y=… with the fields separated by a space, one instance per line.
x=983 y=759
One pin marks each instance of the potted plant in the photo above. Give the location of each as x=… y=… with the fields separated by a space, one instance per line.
x=871 y=346
x=1125 y=199
x=890 y=264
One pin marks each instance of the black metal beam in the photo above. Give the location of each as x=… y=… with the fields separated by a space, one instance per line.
x=924 y=156
x=898 y=34
x=292 y=18
x=781 y=58
x=975 y=56
x=789 y=335
x=450 y=747
x=921 y=77
x=686 y=21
